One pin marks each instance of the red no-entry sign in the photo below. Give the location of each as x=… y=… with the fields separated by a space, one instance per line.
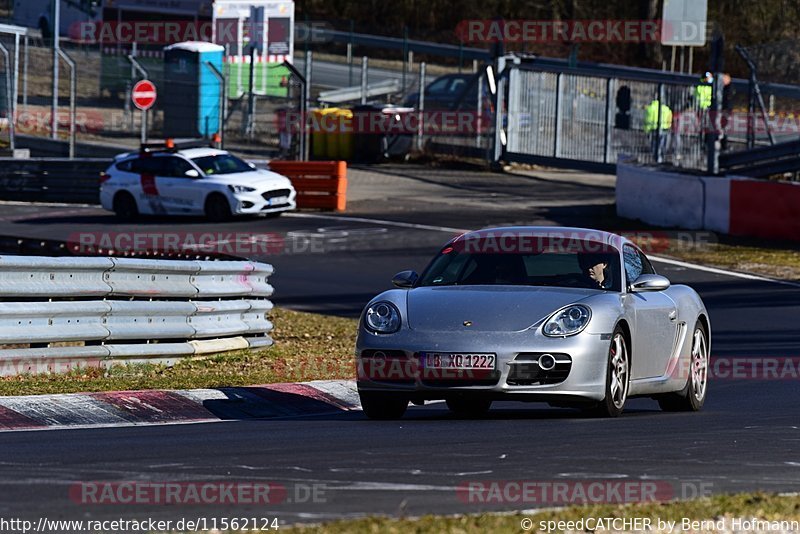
x=144 y=95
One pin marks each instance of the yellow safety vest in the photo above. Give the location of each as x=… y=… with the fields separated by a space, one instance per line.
x=702 y=95
x=651 y=117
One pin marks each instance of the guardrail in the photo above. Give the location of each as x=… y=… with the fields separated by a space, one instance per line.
x=52 y=179
x=57 y=313
x=764 y=161
x=31 y=246
x=319 y=184
x=394 y=43
x=356 y=93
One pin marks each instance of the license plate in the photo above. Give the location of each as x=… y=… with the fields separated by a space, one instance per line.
x=448 y=360
x=278 y=200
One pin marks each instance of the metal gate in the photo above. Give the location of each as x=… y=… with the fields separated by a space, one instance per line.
x=588 y=116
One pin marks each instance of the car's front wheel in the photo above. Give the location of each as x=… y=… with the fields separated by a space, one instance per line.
x=617 y=377
x=218 y=209
x=692 y=397
x=469 y=406
x=383 y=406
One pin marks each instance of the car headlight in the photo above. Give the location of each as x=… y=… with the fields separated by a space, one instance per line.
x=383 y=318
x=567 y=321
x=241 y=189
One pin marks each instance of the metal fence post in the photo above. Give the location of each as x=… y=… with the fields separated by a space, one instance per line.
x=500 y=85
x=364 y=74
x=223 y=104
x=56 y=44
x=405 y=55
x=26 y=57
x=714 y=141
x=305 y=153
x=303 y=141
x=350 y=55
x=659 y=156
x=558 y=111
x=251 y=97
x=72 y=93
x=611 y=86
x=421 y=106
x=479 y=115
x=15 y=89
x=10 y=105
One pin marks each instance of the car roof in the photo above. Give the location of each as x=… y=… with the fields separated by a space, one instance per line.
x=554 y=232
x=190 y=153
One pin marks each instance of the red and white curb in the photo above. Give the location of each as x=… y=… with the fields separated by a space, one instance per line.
x=129 y=408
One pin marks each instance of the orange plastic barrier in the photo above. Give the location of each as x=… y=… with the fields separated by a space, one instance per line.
x=319 y=184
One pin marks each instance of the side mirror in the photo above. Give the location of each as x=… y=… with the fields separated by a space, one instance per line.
x=650 y=282
x=405 y=279
x=191 y=173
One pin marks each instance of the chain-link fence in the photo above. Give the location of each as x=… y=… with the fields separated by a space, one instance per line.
x=597 y=119
x=189 y=101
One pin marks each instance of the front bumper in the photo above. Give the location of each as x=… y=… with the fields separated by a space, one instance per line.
x=400 y=369
x=267 y=201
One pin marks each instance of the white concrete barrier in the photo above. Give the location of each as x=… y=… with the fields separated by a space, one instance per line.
x=660 y=198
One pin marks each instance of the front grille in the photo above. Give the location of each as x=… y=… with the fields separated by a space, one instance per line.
x=274 y=206
x=525 y=370
x=276 y=193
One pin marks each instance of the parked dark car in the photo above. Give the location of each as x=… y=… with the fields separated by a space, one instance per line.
x=447 y=92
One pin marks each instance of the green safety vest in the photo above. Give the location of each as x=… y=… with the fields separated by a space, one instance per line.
x=651 y=117
x=702 y=95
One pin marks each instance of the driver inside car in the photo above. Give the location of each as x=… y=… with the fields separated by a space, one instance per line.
x=595 y=269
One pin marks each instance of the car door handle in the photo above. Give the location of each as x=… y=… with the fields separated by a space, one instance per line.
x=673 y=315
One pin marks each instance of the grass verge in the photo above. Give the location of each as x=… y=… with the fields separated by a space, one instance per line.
x=722 y=509
x=307 y=347
x=778 y=261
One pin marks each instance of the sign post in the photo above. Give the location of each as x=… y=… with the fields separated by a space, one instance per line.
x=144 y=96
x=684 y=24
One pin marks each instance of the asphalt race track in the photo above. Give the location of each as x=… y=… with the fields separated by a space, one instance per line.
x=746 y=438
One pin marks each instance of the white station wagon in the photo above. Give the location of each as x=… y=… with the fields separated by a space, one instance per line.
x=189 y=179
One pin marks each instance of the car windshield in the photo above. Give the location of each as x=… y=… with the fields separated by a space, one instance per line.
x=221 y=164
x=526 y=261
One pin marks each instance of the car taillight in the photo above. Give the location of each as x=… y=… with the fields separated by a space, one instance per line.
x=104 y=177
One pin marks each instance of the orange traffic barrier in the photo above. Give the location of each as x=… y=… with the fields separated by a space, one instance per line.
x=319 y=184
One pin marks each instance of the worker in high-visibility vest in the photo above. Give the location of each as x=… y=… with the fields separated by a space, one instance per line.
x=658 y=142
x=703 y=91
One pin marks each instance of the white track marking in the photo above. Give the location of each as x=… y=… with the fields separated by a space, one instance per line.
x=47 y=204
x=717 y=270
x=379 y=221
x=678 y=263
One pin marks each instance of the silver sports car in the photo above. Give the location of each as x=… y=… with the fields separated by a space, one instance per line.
x=567 y=316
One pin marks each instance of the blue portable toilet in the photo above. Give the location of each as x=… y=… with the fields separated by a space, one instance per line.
x=191 y=94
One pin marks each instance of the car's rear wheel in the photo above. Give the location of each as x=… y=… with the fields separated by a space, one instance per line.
x=692 y=397
x=383 y=406
x=469 y=406
x=125 y=206
x=218 y=209
x=617 y=377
